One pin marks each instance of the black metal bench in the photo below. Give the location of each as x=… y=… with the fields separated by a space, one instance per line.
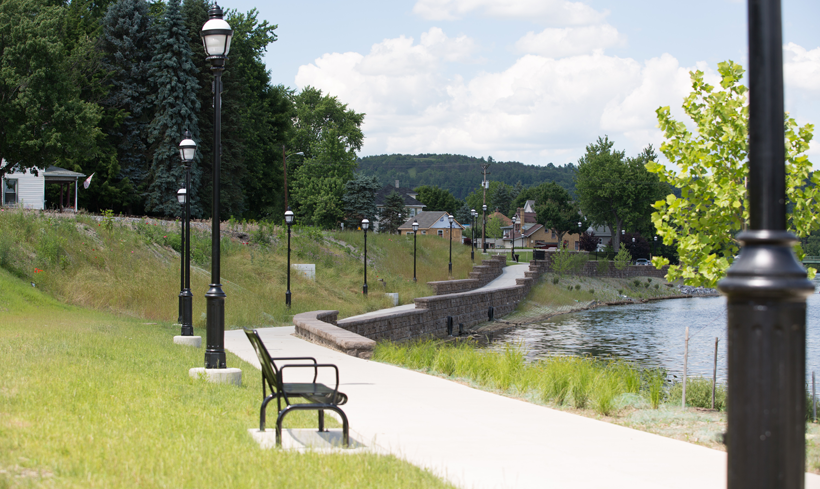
x=319 y=396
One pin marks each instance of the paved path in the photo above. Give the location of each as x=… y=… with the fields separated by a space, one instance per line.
x=477 y=439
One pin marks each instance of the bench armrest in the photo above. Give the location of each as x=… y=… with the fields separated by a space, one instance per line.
x=315 y=373
x=316 y=366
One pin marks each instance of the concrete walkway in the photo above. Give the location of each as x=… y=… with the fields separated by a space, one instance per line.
x=477 y=439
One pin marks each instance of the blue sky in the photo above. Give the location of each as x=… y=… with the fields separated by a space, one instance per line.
x=527 y=80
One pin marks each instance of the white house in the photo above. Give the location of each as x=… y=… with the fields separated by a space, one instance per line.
x=24 y=189
x=27 y=188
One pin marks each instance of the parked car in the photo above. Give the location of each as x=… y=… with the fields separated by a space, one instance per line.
x=643 y=262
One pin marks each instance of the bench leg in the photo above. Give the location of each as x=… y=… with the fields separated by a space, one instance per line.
x=262 y=411
x=320 y=408
x=321 y=420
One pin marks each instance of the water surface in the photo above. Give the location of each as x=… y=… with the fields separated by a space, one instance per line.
x=650 y=334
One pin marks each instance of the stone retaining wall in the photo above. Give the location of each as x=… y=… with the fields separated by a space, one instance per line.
x=591 y=269
x=320 y=327
x=481 y=275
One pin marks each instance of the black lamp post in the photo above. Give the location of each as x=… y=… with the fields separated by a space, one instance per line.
x=187 y=151
x=365 y=225
x=654 y=246
x=472 y=234
x=181 y=200
x=450 y=265
x=514 y=220
x=484 y=232
x=216 y=37
x=415 y=231
x=766 y=290
x=289 y=222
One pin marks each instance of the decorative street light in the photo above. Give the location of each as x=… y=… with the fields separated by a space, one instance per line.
x=187 y=151
x=216 y=37
x=514 y=220
x=766 y=290
x=473 y=213
x=415 y=231
x=484 y=233
x=450 y=265
x=365 y=225
x=654 y=246
x=289 y=222
x=343 y=226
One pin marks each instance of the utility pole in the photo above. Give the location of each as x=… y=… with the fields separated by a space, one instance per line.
x=484 y=208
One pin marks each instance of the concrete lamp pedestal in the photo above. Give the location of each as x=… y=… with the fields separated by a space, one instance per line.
x=218 y=375
x=195 y=341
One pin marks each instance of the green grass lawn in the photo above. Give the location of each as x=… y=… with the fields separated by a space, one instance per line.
x=91 y=399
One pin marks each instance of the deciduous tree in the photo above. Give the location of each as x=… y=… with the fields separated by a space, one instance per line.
x=437 y=199
x=711 y=168
x=43 y=120
x=614 y=190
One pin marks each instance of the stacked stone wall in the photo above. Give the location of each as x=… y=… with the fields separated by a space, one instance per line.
x=481 y=275
x=590 y=269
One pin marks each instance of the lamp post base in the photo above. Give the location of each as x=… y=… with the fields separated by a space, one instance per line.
x=215 y=327
x=217 y=376
x=195 y=341
x=364 y=289
x=187 y=299
x=766 y=291
x=287 y=299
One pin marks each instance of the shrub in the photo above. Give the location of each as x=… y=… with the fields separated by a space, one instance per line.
x=636 y=283
x=566 y=261
x=602 y=267
x=555 y=279
x=699 y=393
x=622 y=259
x=620 y=291
x=657 y=286
x=591 y=291
x=577 y=286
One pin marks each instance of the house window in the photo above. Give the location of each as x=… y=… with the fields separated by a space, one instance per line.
x=577 y=246
x=441 y=232
x=424 y=233
x=553 y=234
x=10 y=191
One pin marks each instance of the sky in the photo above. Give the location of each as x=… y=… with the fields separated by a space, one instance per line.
x=533 y=81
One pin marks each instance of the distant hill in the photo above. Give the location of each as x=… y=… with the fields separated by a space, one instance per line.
x=461 y=174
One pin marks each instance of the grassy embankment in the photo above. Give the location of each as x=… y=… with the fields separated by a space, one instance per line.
x=133 y=269
x=92 y=399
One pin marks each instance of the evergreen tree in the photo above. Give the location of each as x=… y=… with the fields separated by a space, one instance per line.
x=359 y=200
x=173 y=83
x=125 y=45
x=393 y=213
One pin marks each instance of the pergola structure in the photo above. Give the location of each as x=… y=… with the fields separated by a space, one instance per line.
x=65 y=178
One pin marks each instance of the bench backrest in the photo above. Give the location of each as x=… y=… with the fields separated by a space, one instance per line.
x=270 y=373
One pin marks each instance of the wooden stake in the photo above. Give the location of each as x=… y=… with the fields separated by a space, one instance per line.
x=714 y=373
x=685 y=361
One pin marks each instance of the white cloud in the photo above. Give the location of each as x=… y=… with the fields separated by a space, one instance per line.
x=801 y=68
x=552 y=12
x=537 y=110
x=570 y=41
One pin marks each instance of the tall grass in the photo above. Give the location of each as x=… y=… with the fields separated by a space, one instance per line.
x=133 y=268
x=580 y=382
x=97 y=401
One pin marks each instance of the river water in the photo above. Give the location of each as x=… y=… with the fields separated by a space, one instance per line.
x=650 y=335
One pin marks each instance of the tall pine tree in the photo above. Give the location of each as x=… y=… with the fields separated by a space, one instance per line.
x=125 y=43
x=173 y=83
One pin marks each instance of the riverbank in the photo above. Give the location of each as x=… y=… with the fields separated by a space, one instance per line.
x=555 y=295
